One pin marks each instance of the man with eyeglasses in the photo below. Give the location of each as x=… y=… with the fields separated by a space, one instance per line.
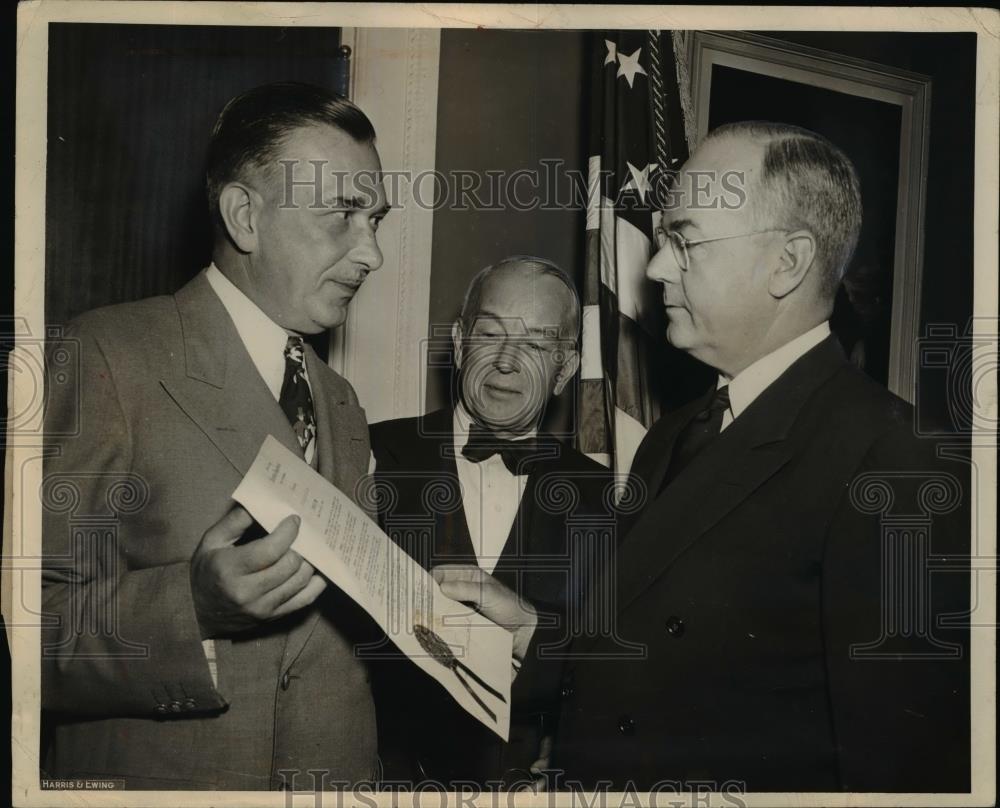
x=792 y=635
x=481 y=496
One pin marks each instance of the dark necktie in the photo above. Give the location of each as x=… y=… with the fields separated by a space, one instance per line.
x=295 y=398
x=519 y=456
x=699 y=433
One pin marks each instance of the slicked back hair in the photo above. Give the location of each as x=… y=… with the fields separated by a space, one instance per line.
x=252 y=128
x=806 y=183
x=543 y=266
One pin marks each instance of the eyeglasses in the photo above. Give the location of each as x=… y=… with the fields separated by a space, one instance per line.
x=680 y=245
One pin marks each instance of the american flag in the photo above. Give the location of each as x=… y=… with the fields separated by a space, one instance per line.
x=637 y=140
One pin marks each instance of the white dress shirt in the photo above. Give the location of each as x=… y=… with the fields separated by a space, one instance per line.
x=753 y=380
x=491 y=495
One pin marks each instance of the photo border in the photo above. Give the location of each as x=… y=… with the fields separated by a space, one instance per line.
x=22 y=589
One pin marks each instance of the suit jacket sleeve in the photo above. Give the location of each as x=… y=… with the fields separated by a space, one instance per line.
x=116 y=641
x=898 y=678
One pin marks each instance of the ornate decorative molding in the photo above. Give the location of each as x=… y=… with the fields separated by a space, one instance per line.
x=394 y=79
x=682 y=54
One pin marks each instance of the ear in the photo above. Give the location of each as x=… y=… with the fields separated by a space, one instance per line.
x=239 y=207
x=456 y=343
x=566 y=370
x=796 y=259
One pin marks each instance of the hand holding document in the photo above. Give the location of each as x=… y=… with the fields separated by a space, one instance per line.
x=467 y=654
x=471 y=584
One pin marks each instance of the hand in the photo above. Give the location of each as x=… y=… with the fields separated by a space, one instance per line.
x=235 y=588
x=469 y=584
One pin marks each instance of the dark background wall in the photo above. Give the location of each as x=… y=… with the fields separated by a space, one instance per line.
x=130 y=111
x=506 y=100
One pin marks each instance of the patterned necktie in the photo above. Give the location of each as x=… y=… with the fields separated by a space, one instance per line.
x=699 y=433
x=519 y=456
x=295 y=398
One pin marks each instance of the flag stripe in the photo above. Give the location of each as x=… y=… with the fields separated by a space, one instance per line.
x=635 y=293
x=592 y=435
x=594 y=192
x=636 y=134
x=592 y=269
x=591 y=366
x=628 y=435
x=633 y=395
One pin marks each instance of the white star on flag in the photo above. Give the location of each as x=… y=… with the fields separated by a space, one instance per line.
x=612 y=56
x=640 y=180
x=628 y=66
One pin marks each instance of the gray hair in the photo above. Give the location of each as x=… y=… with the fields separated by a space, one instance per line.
x=806 y=183
x=543 y=266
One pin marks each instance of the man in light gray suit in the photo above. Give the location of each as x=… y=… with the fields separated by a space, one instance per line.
x=184 y=650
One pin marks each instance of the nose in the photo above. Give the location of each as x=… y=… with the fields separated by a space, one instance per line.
x=663 y=266
x=366 y=250
x=505 y=359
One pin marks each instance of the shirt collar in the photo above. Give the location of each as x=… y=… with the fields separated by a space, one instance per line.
x=753 y=380
x=263 y=338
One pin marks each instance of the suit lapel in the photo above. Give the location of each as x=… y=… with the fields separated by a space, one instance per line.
x=222 y=391
x=651 y=466
x=342 y=449
x=715 y=482
x=422 y=455
x=535 y=531
x=750 y=451
x=452 y=539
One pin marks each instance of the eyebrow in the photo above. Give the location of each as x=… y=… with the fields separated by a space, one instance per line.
x=354 y=203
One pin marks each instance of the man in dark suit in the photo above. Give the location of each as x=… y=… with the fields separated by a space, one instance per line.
x=183 y=653
x=778 y=574
x=477 y=494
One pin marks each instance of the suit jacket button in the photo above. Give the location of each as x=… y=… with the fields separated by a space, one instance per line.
x=567 y=690
x=189 y=704
x=626 y=725
x=675 y=626
x=286 y=680
x=175 y=706
x=161 y=708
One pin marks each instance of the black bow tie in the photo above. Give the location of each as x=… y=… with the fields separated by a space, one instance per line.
x=519 y=456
